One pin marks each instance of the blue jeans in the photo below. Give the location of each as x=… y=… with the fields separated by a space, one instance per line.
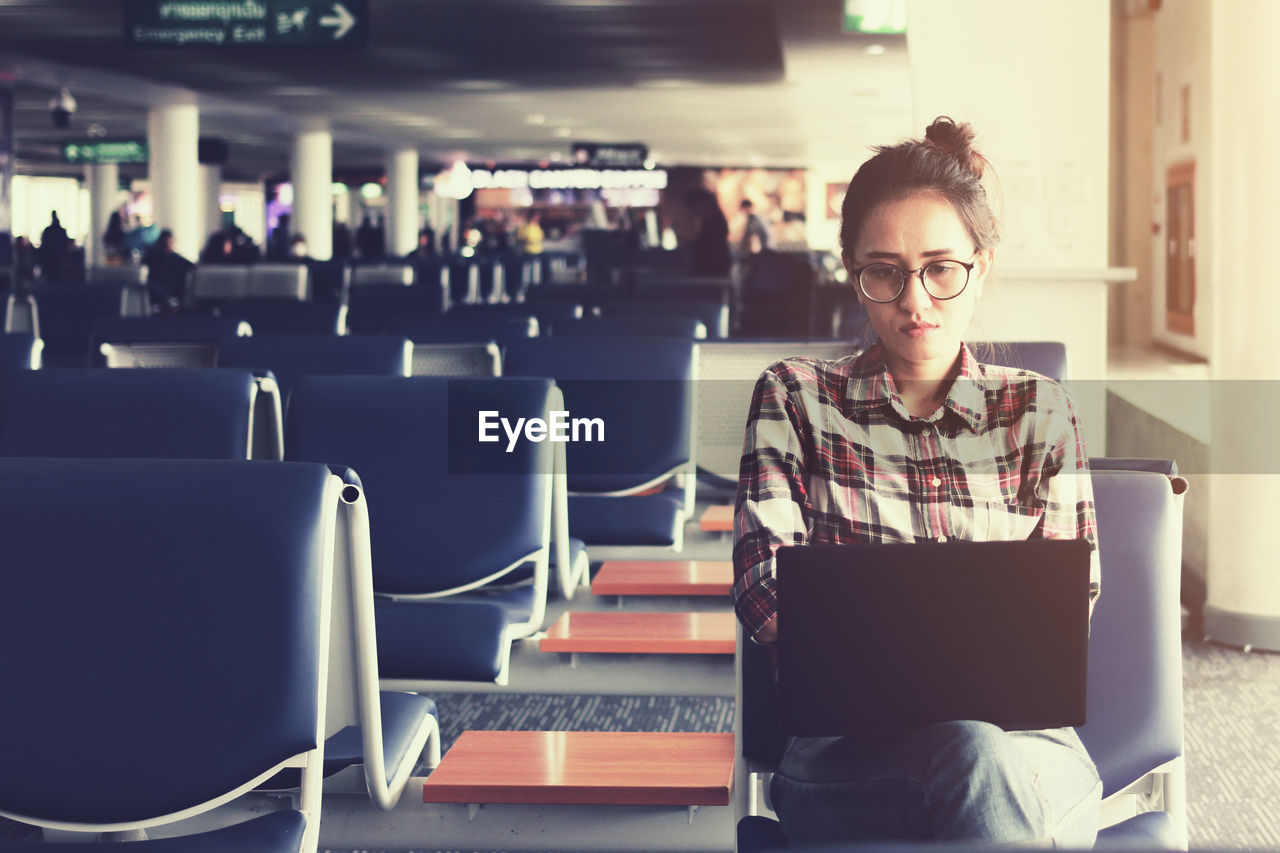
x=948 y=781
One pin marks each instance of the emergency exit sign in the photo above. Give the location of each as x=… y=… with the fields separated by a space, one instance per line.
x=105 y=151
x=236 y=23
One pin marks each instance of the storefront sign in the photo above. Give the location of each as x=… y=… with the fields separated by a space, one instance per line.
x=218 y=23
x=569 y=179
x=597 y=155
x=105 y=151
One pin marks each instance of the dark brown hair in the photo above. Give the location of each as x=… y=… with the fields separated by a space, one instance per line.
x=944 y=162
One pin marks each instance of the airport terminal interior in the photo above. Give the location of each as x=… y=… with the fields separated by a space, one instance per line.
x=510 y=269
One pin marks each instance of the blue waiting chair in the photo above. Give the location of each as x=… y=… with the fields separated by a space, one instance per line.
x=442 y=533
x=20 y=351
x=63 y=317
x=639 y=326
x=204 y=649
x=291 y=357
x=288 y=316
x=1048 y=358
x=170 y=413
x=642 y=389
x=1134 y=728
x=164 y=341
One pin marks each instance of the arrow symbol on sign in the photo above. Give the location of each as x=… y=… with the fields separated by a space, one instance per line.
x=341 y=18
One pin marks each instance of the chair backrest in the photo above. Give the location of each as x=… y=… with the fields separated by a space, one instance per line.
x=20 y=351
x=383 y=274
x=202 y=639
x=1135 y=661
x=173 y=413
x=727 y=374
x=642 y=389
x=463 y=327
x=645 y=325
x=167 y=341
x=279 y=281
x=288 y=316
x=1048 y=358
x=216 y=282
x=291 y=357
x=67 y=316
x=482 y=358
x=376 y=307
x=714 y=312
x=118 y=274
x=432 y=532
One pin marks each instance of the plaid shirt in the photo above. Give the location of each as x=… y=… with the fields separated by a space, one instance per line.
x=833 y=456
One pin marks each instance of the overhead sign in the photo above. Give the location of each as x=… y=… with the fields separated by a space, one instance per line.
x=105 y=151
x=220 y=23
x=597 y=155
x=877 y=17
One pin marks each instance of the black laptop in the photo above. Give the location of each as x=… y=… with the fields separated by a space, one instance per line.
x=896 y=636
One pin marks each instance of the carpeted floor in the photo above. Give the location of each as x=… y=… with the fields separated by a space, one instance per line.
x=1232 y=710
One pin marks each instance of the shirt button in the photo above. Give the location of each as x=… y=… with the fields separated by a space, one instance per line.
x=935 y=482
x=942 y=539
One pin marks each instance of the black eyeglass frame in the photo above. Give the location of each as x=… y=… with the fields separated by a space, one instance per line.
x=906 y=274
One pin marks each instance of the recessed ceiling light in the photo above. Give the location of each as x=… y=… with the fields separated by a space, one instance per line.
x=536 y=118
x=874 y=49
x=563 y=132
x=457 y=133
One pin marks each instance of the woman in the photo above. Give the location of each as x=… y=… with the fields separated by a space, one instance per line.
x=913 y=440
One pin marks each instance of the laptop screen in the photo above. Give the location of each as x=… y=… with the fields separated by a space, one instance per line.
x=892 y=637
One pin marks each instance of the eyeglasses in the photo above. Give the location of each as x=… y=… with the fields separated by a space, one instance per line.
x=942 y=279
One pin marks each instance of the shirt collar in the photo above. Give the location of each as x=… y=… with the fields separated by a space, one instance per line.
x=871 y=386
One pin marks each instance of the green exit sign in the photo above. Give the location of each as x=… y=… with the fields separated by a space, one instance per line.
x=875 y=17
x=105 y=151
x=239 y=23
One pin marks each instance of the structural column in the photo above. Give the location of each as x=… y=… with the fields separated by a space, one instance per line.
x=311 y=172
x=103 y=181
x=210 y=189
x=173 y=133
x=1243 y=606
x=402 y=202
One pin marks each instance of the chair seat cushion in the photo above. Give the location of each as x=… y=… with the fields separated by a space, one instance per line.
x=277 y=832
x=517 y=601
x=440 y=640
x=1148 y=831
x=403 y=715
x=635 y=520
x=577 y=554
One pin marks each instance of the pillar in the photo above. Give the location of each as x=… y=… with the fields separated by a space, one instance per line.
x=173 y=133
x=210 y=189
x=103 y=181
x=402 y=202
x=1243 y=606
x=311 y=172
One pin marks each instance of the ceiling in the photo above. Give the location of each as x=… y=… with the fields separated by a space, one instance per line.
x=701 y=82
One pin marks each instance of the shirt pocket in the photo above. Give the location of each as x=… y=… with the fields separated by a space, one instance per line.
x=1001 y=521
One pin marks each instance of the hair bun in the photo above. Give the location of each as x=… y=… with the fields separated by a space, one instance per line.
x=955 y=140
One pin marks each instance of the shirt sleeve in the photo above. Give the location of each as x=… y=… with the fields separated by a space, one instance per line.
x=1066 y=487
x=770 y=508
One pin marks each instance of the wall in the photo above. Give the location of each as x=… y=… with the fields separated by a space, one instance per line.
x=1033 y=78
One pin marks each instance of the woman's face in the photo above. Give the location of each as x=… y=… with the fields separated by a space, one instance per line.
x=921 y=334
